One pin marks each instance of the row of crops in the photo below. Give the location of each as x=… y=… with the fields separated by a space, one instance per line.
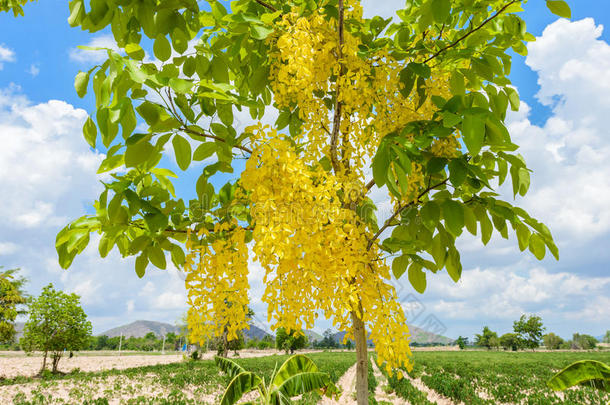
x=464 y=377
x=497 y=378
x=192 y=382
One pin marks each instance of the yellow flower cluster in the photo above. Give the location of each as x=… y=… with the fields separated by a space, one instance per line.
x=217 y=283
x=307 y=72
x=314 y=250
x=448 y=147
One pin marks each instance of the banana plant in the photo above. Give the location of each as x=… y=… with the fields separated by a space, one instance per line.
x=584 y=372
x=298 y=375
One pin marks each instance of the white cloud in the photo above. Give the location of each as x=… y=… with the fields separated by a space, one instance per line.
x=6 y=55
x=569 y=153
x=34 y=70
x=88 y=56
x=7 y=248
x=45 y=166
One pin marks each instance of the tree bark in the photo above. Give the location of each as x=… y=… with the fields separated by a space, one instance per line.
x=44 y=362
x=362 y=363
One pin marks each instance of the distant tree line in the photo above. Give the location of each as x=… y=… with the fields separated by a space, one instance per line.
x=528 y=334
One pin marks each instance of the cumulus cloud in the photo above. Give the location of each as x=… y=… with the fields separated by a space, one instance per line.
x=569 y=153
x=6 y=55
x=43 y=161
x=85 y=56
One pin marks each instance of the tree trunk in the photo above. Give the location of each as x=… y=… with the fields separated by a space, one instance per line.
x=362 y=363
x=44 y=362
x=225 y=344
x=56 y=358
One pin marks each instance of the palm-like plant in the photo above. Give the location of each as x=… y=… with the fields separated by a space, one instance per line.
x=584 y=372
x=298 y=375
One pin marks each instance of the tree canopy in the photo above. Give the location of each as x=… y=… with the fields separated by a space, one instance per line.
x=414 y=106
x=529 y=330
x=12 y=297
x=56 y=323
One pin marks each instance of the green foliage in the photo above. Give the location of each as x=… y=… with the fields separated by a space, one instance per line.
x=583 y=342
x=289 y=341
x=529 y=329
x=12 y=297
x=510 y=341
x=487 y=339
x=16 y=6
x=296 y=376
x=552 y=341
x=461 y=341
x=56 y=323
x=585 y=372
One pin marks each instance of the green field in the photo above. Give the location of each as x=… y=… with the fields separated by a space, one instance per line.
x=471 y=377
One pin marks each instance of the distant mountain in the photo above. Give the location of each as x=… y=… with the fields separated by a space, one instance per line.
x=141 y=328
x=418 y=335
x=312 y=336
x=255 y=333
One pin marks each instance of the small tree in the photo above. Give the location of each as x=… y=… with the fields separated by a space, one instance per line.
x=583 y=342
x=12 y=297
x=509 y=341
x=56 y=323
x=606 y=338
x=289 y=341
x=461 y=342
x=552 y=341
x=487 y=339
x=529 y=329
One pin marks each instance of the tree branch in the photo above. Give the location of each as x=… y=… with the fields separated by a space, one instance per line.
x=463 y=37
x=370 y=185
x=401 y=209
x=216 y=138
x=266 y=5
x=334 y=137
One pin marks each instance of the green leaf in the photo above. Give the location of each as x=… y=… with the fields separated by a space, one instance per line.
x=225 y=113
x=454 y=216
x=156 y=256
x=536 y=246
x=141 y=263
x=523 y=236
x=585 y=372
x=135 y=51
x=417 y=278
x=260 y=31
x=162 y=48
x=381 y=163
x=180 y=86
x=180 y=40
x=182 y=149
x=138 y=153
x=228 y=366
x=240 y=385
x=204 y=151
x=399 y=265
x=441 y=10
x=430 y=214
x=473 y=131
x=80 y=83
x=559 y=8
x=453 y=264
x=457 y=172
x=90 y=132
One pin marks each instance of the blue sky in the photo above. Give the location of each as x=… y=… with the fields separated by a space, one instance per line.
x=47 y=177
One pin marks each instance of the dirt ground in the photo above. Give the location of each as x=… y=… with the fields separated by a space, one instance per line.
x=20 y=365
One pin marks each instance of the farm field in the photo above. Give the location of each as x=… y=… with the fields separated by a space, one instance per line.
x=447 y=378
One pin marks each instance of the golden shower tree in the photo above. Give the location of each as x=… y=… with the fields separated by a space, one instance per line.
x=413 y=107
